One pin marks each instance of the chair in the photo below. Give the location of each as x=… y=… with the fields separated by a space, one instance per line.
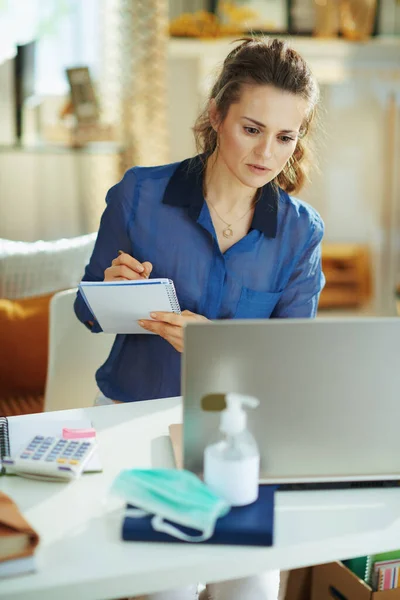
x=74 y=356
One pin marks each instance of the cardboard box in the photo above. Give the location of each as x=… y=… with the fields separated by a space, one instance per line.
x=299 y=584
x=334 y=581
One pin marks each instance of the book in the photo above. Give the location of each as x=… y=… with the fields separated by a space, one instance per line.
x=15 y=432
x=357 y=565
x=376 y=561
x=385 y=574
x=18 y=539
x=251 y=525
x=386 y=578
x=17 y=566
x=175 y=435
x=118 y=305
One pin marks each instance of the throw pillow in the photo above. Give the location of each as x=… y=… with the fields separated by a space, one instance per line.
x=30 y=269
x=24 y=327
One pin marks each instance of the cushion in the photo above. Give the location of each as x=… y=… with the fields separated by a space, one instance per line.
x=12 y=406
x=36 y=268
x=24 y=327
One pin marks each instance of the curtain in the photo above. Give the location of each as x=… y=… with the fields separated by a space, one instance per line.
x=133 y=78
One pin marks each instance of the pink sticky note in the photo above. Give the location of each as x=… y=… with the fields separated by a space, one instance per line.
x=73 y=434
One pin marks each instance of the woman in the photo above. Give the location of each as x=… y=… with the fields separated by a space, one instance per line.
x=221 y=225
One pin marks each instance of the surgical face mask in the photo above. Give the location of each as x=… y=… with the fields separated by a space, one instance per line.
x=176 y=495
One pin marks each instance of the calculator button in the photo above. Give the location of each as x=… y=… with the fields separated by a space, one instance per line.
x=61 y=460
x=74 y=462
x=50 y=458
x=25 y=455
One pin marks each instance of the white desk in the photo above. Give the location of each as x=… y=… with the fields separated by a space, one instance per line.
x=82 y=557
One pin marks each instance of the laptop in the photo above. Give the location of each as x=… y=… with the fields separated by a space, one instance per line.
x=329 y=392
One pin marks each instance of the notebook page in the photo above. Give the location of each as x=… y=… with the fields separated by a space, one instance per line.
x=118 y=305
x=22 y=430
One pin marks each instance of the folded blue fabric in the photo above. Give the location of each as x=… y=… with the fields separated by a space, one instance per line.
x=251 y=525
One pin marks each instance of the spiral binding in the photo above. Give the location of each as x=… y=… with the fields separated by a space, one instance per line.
x=4 y=438
x=173 y=299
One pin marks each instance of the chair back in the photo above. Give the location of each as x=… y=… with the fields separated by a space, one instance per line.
x=74 y=356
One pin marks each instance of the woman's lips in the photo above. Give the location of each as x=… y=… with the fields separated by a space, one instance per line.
x=258 y=169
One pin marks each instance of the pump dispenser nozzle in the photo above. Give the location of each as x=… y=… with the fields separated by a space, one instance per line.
x=234 y=418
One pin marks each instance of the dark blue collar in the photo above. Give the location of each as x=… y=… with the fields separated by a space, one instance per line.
x=185 y=189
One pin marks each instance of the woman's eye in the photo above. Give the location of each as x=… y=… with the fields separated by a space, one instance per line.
x=252 y=130
x=286 y=139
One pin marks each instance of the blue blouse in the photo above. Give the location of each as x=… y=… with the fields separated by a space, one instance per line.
x=158 y=214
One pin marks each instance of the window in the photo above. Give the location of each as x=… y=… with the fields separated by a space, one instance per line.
x=66 y=31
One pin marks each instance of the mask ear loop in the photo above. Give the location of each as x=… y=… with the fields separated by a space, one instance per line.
x=160 y=525
x=136 y=513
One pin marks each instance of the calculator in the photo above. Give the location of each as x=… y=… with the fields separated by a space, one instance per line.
x=52 y=458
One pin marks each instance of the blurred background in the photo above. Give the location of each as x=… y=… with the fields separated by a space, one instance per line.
x=89 y=88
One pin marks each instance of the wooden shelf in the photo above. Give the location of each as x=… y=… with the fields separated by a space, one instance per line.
x=347 y=269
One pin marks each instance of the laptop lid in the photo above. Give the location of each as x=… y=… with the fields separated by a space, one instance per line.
x=329 y=392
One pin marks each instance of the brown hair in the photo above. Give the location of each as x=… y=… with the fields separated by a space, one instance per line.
x=263 y=61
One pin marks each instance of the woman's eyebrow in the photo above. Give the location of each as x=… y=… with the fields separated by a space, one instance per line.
x=254 y=121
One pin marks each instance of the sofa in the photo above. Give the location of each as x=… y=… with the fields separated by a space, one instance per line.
x=30 y=274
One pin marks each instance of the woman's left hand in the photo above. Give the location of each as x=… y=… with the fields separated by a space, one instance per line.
x=170 y=325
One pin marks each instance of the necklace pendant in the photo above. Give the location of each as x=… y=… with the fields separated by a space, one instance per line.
x=227 y=232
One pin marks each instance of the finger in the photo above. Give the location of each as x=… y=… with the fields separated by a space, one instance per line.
x=173 y=335
x=128 y=261
x=191 y=316
x=155 y=326
x=148 y=267
x=111 y=274
x=160 y=328
x=121 y=272
x=168 y=317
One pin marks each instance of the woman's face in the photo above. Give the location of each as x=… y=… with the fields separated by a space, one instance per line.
x=260 y=132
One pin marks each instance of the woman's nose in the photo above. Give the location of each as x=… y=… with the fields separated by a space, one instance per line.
x=265 y=149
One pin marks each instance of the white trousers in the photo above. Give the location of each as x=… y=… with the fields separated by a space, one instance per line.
x=270 y=585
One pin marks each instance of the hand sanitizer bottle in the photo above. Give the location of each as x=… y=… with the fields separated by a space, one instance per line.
x=232 y=465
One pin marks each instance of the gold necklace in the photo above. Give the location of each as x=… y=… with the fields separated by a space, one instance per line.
x=228 y=231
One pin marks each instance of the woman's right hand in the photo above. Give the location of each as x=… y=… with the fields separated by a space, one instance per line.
x=127 y=267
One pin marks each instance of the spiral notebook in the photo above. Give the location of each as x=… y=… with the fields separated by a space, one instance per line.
x=15 y=432
x=118 y=305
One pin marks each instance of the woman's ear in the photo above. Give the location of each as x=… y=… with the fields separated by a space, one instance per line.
x=213 y=114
